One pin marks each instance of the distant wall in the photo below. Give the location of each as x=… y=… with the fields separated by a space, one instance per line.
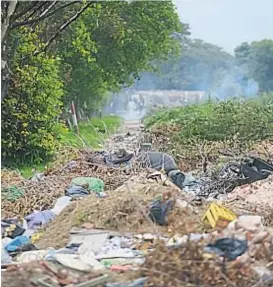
x=171 y=98
x=119 y=102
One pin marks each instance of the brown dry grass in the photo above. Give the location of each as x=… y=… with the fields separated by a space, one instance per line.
x=118 y=212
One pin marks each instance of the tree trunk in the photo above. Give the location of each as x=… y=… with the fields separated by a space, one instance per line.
x=6 y=21
x=5 y=71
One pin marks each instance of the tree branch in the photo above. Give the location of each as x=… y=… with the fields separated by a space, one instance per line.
x=48 y=9
x=43 y=4
x=44 y=15
x=65 y=25
x=24 y=11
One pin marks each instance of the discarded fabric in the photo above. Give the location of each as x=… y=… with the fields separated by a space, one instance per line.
x=118 y=158
x=76 y=191
x=177 y=177
x=228 y=247
x=91 y=183
x=39 y=218
x=159 y=211
x=158 y=161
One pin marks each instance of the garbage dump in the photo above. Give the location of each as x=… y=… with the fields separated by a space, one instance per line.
x=129 y=215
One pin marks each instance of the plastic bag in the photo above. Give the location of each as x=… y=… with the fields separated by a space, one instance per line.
x=17 y=243
x=5 y=258
x=228 y=247
x=159 y=211
x=76 y=191
x=61 y=204
x=39 y=218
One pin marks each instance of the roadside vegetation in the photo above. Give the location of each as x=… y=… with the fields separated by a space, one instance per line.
x=199 y=131
x=92 y=134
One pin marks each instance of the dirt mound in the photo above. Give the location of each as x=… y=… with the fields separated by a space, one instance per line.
x=260 y=191
x=118 y=212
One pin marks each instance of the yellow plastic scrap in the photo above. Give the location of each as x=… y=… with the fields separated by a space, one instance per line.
x=36 y=236
x=218 y=216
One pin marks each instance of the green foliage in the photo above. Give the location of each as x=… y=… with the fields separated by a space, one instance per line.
x=257 y=60
x=230 y=120
x=111 y=44
x=32 y=106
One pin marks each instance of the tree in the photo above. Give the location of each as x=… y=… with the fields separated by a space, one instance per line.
x=257 y=60
x=83 y=48
x=200 y=66
x=32 y=105
x=110 y=45
x=52 y=18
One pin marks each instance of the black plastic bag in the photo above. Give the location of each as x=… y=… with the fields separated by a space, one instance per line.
x=228 y=247
x=159 y=211
x=76 y=191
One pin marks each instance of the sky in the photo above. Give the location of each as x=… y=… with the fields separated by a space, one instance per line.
x=228 y=23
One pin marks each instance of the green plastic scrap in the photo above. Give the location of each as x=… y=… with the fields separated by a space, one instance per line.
x=12 y=193
x=94 y=184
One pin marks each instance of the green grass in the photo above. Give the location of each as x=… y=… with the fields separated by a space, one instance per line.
x=92 y=134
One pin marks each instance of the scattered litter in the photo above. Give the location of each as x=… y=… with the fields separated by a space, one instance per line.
x=89 y=240
x=76 y=191
x=159 y=211
x=72 y=261
x=36 y=236
x=5 y=258
x=12 y=228
x=90 y=183
x=11 y=193
x=249 y=222
x=37 y=177
x=177 y=253
x=29 y=256
x=39 y=218
x=136 y=283
x=228 y=247
x=178 y=240
x=61 y=204
x=218 y=216
x=16 y=243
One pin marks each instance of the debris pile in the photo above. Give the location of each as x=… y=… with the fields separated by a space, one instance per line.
x=235 y=256
x=112 y=219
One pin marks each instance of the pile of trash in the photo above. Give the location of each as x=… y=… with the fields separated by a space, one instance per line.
x=125 y=217
x=239 y=255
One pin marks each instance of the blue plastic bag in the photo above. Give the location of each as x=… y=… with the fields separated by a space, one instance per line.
x=17 y=242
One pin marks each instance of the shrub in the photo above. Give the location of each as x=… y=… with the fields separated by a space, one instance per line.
x=243 y=120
